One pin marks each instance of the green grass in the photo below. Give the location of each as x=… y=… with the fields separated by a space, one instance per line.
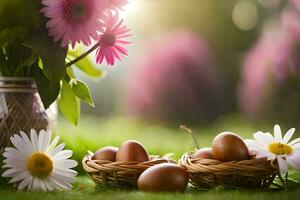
x=93 y=133
x=84 y=189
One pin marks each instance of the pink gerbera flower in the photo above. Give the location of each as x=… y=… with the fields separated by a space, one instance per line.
x=112 y=39
x=117 y=4
x=74 y=20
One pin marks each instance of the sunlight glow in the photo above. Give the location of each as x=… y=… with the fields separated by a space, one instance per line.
x=132 y=7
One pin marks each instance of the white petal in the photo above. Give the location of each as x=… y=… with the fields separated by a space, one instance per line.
x=19 y=161
x=294 y=161
x=20 y=177
x=289 y=134
x=25 y=183
x=65 y=154
x=53 y=144
x=65 y=163
x=30 y=183
x=261 y=155
x=296 y=146
x=41 y=137
x=11 y=172
x=269 y=137
x=14 y=154
x=283 y=166
x=261 y=138
x=11 y=149
x=34 y=140
x=296 y=151
x=65 y=172
x=43 y=185
x=265 y=154
x=49 y=186
x=64 y=179
x=56 y=150
x=58 y=185
x=294 y=142
x=254 y=145
x=35 y=185
x=18 y=144
x=277 y=133
x=270 y=156
x=47 y=140
x=27 y=142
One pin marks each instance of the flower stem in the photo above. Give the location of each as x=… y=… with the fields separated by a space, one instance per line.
x=93 y=48
x=282 y=181
x=189 y=131
x=287 y=179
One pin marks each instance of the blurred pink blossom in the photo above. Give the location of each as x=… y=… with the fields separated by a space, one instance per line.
x=295 y=2
x=176 y=81
x=287 y=59
x=256 y=73
x=269 y=64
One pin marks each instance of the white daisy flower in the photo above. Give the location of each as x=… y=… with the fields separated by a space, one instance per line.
x=38 y=164
x=277 y=148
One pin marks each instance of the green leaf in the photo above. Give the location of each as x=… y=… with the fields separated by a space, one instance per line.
x=85 y=64
x=68 y=103
x=82 y=91
x=48 y=90
x=70 y=73
x=52 y=55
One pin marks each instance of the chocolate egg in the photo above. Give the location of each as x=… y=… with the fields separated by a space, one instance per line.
x=132 y=151
x=106 y=153
x=165 y=177
x=204 y=153
x=229 y=146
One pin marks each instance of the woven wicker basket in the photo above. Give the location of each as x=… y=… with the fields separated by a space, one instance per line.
x=250 y=174
x=122 y=174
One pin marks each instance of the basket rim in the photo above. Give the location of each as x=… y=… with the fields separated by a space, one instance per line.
x=104 y=162
x=199 y=165
x=92 y=166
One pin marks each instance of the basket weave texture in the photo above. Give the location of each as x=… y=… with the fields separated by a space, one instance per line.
x=21 y=109
x=250 y=174
x=122 y=174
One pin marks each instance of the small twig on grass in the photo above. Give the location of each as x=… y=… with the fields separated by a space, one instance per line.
x=189 y=131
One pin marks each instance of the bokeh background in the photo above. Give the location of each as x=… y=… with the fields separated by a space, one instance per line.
x=209 y=64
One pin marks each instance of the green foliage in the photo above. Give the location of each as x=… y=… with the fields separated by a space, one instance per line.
x=18 y=20
x=84 y=65
x=26 y=50
x=48 y=90
x=82 y=91
x=52 y=55
x=68 y=103
x=17 y=60
x=72 y=92
x=84 y=189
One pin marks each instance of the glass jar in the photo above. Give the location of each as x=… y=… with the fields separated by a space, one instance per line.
x=21 y=108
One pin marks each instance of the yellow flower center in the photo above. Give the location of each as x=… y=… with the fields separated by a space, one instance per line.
x=280 y=148
x=39 y=165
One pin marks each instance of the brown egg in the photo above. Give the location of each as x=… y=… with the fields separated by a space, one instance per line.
x=204 y=153
x=132 y=150
x=106 y=153
x=229 y=146
x=165 y=177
